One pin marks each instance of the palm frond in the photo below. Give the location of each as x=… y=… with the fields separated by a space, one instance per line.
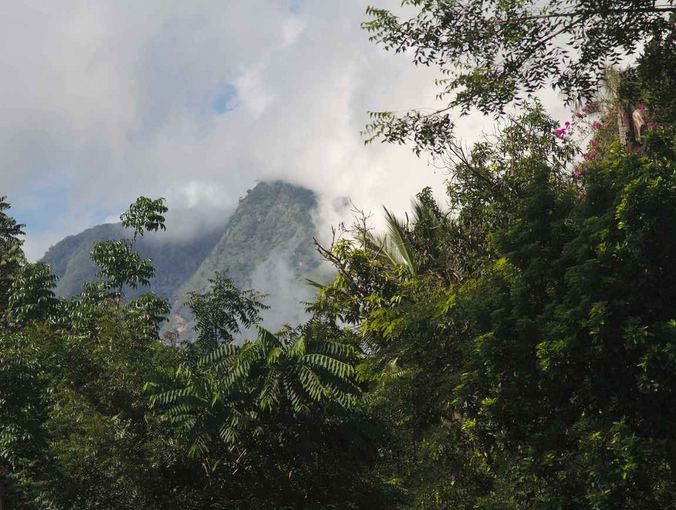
x=397 y=235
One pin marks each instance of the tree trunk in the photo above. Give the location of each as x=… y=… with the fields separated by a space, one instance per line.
x=625 y=126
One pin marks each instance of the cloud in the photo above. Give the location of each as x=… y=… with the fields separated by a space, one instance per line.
x=196 y=101
x=285 y=294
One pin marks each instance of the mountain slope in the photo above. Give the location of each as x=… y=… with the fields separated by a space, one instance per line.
x=267 y=244
x=273 y=218
x=174 y=262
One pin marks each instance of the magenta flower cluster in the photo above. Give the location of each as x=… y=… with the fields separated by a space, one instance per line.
x=561 y=132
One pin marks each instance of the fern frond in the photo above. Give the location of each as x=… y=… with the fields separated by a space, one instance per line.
x=224 y=351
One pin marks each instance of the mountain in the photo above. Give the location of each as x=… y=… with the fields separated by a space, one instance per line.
x=174 y=262
x=267 y=244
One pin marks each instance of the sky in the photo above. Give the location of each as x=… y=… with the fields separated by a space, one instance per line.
x=197 y=101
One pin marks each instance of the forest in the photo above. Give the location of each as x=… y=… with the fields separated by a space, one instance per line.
x=511 y=348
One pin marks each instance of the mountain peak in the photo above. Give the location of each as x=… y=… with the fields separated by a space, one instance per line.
x=266 y=244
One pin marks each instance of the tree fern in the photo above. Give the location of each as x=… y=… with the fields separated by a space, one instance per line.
x=225 y=395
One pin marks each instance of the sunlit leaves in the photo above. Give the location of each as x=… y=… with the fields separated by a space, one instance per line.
x=31 y=294
x=120 y=265
x=144 y=215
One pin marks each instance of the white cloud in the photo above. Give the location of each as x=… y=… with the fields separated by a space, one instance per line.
x=117 y=95
x=252 y=92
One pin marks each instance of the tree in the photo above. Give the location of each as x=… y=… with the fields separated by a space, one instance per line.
x=492 y=54
x=222 y=311
x=144 y=215
x=407 y=348
x=274 y=422
x=119 y=264
x=23 y=413
x=563 y=385
x=537 y=369
x=76 y=429
x=31 y=295
x=11 y=255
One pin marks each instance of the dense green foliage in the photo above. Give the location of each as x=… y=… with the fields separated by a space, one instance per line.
x=514 y=351
x=11 y=255
x=97 y=412
x=542 y=375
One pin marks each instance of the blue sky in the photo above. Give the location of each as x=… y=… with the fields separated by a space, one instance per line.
x=225 y=99
x=40 y=202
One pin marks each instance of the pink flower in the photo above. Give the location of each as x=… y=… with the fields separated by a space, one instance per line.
x=597 y=125
x=589 y=155
x=594 y=143
x=560 y=133
x=579 y=115
x=567 y=123
x=651 y=125
x=642 y=107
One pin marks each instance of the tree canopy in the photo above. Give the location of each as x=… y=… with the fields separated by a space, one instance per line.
x=494 y=54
